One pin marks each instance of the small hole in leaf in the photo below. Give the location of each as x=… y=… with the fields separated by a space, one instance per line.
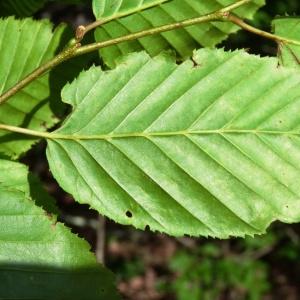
x=129 y=214
x=147 y=228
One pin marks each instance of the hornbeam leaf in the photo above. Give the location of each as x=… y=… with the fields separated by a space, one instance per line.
x=209 y=147
x=133 y=16
x=40 y=258
x=289 y=55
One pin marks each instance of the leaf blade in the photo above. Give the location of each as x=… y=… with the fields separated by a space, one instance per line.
x=193 y=156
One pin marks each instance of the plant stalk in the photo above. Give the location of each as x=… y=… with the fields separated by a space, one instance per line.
x=217 y=16
x=239 y=22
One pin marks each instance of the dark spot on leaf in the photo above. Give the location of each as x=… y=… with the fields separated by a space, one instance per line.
x=129 y=214
x=147 y=228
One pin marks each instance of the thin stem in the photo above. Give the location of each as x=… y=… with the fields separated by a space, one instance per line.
x=217 y=16
x=239 y=22
x=101 y=239
x=25 y=131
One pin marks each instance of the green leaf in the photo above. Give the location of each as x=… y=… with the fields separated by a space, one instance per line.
x=183 y=40
x=289 y=55
x=40 y=258
x=210 y=147
x=24 y=46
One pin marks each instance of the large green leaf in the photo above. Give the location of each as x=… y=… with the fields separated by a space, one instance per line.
x=40 y=258
x=24 y=46
x=184 y=40
x=209 y=147
x=289 y=55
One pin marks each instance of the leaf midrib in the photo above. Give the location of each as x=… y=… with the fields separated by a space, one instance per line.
x=56 y=135
x=166 y=134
